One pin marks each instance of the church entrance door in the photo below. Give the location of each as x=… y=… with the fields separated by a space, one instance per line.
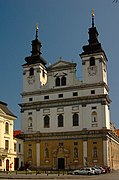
x=61 y=163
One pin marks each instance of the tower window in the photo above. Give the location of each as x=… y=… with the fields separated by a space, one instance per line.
x=43 y=73
x=31 y=72
x=46 y=97
x=30 y=122
x=60 y=120
x=92 y=61
x=92 y=91
x=46 y=121
x=75 y=93
x=60 y=95
x=63 y=81
x=75 y=119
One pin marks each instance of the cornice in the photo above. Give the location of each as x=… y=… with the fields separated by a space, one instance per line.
x=67 y=88
x=103 y=99
x=84 y=134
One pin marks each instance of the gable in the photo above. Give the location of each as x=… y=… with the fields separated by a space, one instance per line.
x=62 y=64
x=1 y=111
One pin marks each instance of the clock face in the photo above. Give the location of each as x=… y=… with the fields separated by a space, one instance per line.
x=31 y=79
x=92 y=70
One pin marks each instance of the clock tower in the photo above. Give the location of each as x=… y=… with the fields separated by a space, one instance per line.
x=34 y=70
x=94 y=59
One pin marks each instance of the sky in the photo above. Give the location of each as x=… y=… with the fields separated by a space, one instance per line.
x=63 y=30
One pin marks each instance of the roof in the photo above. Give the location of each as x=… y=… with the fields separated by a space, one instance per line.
x=16 y=132
x=4 y=108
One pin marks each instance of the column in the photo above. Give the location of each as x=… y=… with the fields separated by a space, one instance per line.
x=85 y=153
x=38 y=154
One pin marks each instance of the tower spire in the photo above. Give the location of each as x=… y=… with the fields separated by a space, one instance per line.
x=93 y=15
x=36 y=30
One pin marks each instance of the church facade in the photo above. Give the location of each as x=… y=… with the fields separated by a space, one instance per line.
x=65 y=121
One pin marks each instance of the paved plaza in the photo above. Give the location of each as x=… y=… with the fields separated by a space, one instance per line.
x=113 y=175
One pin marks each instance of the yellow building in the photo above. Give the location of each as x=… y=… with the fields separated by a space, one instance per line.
x=65 y=121
x=7 y=143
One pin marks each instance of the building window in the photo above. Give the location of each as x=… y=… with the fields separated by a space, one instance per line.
x=0 y=162
x=7 y=128
x=63 y=81
x=94 y=117
x=46 y=121
x=31 y=72
x=75 y=143
x=92 y=91
x=19 y=148
x=92 y=61
x=60 y=120
x=30 y=122
x=60 y=95
x=75 y=93
x=75 y=152
x=29 y=153
x=46 y=97
x=6 y=144
x=57 y=81
x=75 y=119
x=15 y=147
x=95 y=152
x=43 y=73
x=30 y=99
x=94 y=107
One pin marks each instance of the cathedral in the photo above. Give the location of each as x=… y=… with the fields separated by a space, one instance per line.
x=66 y=121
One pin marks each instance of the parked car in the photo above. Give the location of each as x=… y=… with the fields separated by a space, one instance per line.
x=103 y=171
x=96 y=170
x=84 y=171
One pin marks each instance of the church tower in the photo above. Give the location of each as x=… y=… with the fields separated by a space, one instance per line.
x=94 y=78
x=94 y=59
x=34 y=79
x=34 y=70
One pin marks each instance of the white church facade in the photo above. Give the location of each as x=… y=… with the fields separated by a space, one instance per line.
x=65 y=121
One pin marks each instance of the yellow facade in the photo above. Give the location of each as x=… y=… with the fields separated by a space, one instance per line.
x=68 y=153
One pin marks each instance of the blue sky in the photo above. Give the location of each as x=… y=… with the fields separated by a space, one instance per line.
x=63 y=30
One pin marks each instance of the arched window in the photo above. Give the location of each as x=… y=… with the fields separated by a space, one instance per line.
x=94 y=117
x=95 y=152
x=75 y=119
x=6 y=144
x=57 y=81
x=75 y=152
x=60 y=120
x=7 y=128
x=46 y=121
x=92 y=61
x=29 y=153
x=31 y=72
x=63 y=81
x=30 y=122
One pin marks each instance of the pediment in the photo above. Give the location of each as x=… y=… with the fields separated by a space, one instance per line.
x=1 y=111
x=60 y=64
